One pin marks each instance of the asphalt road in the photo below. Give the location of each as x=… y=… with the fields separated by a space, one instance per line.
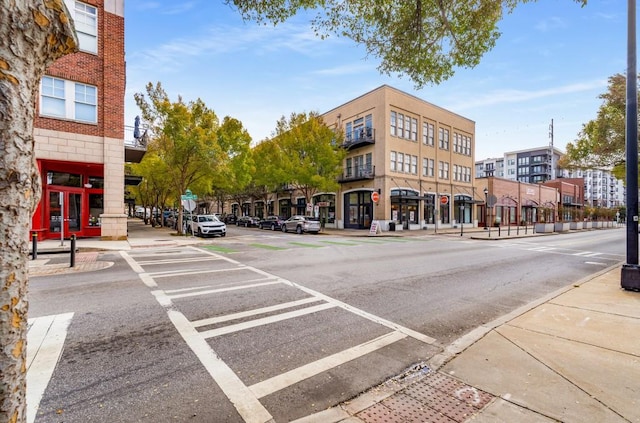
x=262 y=325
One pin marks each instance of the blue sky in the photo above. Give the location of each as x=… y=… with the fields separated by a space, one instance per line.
x=551 y=62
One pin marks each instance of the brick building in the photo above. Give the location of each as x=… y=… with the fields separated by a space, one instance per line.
x=79 y=130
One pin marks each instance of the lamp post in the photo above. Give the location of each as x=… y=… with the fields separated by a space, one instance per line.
x=461 y=218
x=486 y=204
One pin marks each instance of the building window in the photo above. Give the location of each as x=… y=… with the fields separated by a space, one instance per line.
x=52 y=102
x=407 y=163
x=85 y=18
x=427 y=167
x=393 y=161
x=414 y=165
x=400 y=162
x=414 y=129
x=54 y=93
x=394 y=124
x=443 y=138
x=443 y=170
x=427 y=133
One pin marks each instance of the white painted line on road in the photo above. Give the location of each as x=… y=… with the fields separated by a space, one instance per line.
x=596 y=263
x=409 y=332
x=254 y=312
x=582 y=253
x=173 y=261
x=134 y=264
x=594 y=254
x=45 y=341
x=148 y=280
x=215 y=291
x=265 y=320
x=245 y=402
x=277 y=383
x=180 y=272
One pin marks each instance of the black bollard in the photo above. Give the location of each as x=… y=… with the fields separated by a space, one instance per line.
x=34 y=243
x=73 y=250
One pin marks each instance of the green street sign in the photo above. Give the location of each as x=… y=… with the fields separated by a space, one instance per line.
x=188 y=196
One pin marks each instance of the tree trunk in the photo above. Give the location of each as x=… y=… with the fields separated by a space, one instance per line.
x=33 y=34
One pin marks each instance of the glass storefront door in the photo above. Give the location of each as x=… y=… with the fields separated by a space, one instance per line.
x=65 y=212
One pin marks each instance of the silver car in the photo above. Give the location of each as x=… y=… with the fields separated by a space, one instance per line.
x=300 y=224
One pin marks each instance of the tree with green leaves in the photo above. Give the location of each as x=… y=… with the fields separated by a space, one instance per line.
x=601 y=141
x=425 y=40
x=185 y=138
x=309 y=154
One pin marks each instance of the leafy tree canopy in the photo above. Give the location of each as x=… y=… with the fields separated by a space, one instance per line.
x=425 y=40
x=601 y=142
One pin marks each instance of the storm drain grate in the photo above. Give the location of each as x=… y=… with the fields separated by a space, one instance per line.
x=440 y=401
x=461 y=391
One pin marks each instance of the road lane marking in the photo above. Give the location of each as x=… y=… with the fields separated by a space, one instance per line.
x=265 y=321
x=170 y=273
x=215 y=291
x=132 y=262
x=596 y=263
x=45 y=340
x=173 y=261
x=254 y=312
x=281 y=381
x=245 y=402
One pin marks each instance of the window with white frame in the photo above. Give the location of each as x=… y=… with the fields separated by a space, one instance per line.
x=85 y=19
x=400 y=162
x=394 y=124
x=407 y=163
x=443 y=138
x=68 y=100
x=443 y=170
x=414 y=129
x=414 y=165
x=407 y=127
x=400 y=125
x=392 y=165
x=427 y=133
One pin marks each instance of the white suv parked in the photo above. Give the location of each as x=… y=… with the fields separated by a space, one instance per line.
x=207 y=224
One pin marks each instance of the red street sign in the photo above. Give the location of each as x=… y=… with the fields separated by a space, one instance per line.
x=444 y=200
x=375 y=197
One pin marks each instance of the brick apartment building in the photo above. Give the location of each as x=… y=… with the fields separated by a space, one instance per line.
x=79 y=130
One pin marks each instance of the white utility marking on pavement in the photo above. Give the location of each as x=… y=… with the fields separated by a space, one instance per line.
x=45 y=340
x=413 y=334
x=148 y=280
x=265 y=320
x=177 y=260
x=247 y=405
x=134 y=265
x=254 y=312
x=179 y=272
x=291 y=377
x=596 y=263
x=215 y=291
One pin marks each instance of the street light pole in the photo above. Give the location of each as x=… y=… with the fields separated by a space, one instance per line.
x=486 y=204
x=461 y=218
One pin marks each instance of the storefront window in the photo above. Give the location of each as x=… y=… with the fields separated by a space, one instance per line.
x=429 y=208
x=95 y=209
x=64 y=179
x=95 y=182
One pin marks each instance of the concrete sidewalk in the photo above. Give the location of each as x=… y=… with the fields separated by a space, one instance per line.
x=573 y=356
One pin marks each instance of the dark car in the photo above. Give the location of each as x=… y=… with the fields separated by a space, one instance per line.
x=229 y=218
x=271 y=222
x=247 y=221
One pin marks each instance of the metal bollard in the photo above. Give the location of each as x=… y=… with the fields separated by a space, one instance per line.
x=34 y=244
x=73 y=250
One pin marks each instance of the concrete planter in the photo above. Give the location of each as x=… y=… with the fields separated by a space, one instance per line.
x=562 y=226
x=542 y=228
x=596 y=225
x=587 y=225
x=574 y=226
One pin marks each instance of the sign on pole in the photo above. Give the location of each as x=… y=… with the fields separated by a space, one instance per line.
x=444 y=200
x=375 y=197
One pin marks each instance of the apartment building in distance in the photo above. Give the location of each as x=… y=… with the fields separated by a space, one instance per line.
x=416 y=158
x=601 y=188
x=79 y=130
x=533 y=165
x=490 y=167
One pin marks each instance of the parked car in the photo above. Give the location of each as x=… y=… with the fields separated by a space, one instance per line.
x=229 y=218
x=271 y=222
x=207 y=224
x=301 y=224
x=247 y=221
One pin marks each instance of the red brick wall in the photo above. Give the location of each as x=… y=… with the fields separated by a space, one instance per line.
x=106 y=71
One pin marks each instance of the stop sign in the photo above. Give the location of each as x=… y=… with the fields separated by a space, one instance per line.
x=444 y=200
x=375 y=197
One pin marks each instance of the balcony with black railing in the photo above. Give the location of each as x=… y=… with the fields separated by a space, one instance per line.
x=357 y=173
x=359 y=138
